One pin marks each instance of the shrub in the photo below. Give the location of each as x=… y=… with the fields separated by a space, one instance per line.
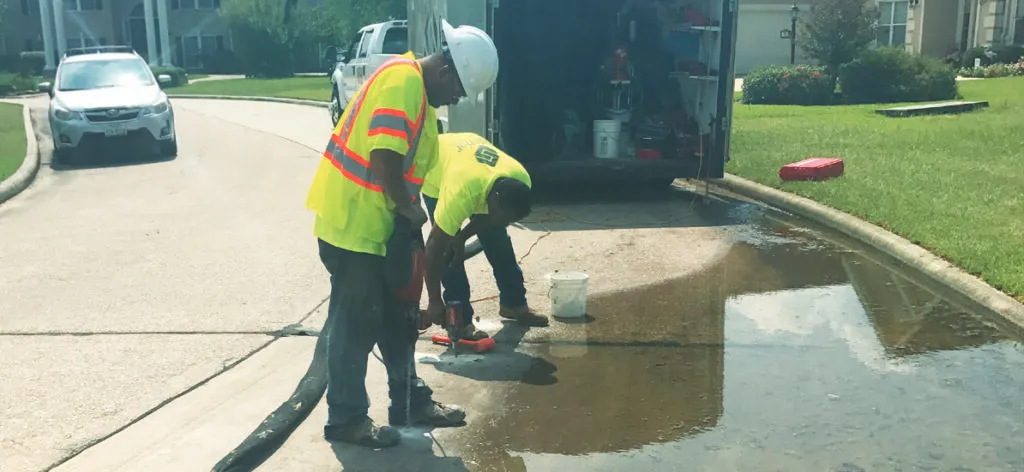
x=10 y=63
x=16 y=83
x=178 y=75
x=994 y=70
x=887 y=75
x=32 y=62
x=788 y=85
x=992 y=55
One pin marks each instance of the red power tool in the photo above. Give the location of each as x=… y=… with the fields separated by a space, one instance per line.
x=453 y=324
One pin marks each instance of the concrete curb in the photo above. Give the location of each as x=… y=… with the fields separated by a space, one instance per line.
x=26 y=173
x=291 y=101
x=888 y=243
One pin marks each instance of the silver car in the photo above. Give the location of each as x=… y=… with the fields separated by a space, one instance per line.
x=98 y=97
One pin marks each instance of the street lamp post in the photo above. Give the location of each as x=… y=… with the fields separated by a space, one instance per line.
x=794 y=12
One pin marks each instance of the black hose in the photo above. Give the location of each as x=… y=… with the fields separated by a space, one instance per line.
x=276 y=427
x=472 y=248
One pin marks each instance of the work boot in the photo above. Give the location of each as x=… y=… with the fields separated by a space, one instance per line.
x=364 y=433
x=470 y=333
x=433 y=414
x=523 y=315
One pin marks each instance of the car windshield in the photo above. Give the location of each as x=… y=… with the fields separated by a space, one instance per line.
x=87 y=75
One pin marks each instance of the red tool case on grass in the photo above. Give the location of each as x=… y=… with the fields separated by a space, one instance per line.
x=816 y=168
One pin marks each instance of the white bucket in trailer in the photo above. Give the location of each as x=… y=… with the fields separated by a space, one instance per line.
x=606 y=138
x=568 y=294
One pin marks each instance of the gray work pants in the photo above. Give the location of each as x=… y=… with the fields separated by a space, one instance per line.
x=363 y=312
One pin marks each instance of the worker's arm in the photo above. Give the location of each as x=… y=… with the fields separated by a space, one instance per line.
x=454 y=207
x=476 y=224
x=386 y=168
x=398 y=102
x=438 y=244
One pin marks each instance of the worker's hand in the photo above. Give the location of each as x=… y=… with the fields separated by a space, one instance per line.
x=435 y=312
x=415 y=214
x=457 y=252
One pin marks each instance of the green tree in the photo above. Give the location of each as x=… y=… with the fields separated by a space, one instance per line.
x=3 y=12
x=341 y=19
x=265 y=43
x=836 y=31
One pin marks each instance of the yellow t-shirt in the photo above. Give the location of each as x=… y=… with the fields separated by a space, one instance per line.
x=467 y=166
x=350 y=216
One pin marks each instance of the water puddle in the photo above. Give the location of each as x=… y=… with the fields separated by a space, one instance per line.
x=791 y=354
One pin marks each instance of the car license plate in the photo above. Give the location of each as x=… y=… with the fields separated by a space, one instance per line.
x=115 y=131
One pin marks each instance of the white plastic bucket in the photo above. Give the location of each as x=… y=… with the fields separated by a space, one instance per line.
x=568 y=294
x=606 y=138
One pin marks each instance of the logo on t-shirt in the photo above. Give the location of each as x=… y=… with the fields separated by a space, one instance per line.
x=486 y=155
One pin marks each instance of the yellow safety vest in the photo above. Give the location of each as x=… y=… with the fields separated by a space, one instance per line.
x=352 y=211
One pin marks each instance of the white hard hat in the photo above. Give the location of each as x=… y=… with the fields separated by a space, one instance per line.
x=474 y=56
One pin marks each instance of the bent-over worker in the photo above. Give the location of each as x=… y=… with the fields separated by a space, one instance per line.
x=372 y=171
x=475 y=181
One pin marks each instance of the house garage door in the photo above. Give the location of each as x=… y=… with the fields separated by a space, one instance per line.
x=757 y=36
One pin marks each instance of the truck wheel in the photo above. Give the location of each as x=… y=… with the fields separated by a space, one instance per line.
x=335 y=107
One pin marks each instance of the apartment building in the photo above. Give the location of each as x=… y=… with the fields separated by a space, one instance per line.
x=165 y=32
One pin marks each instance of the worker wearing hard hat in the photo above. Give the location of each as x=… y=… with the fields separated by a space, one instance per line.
x=370 y=173
x=475 y=181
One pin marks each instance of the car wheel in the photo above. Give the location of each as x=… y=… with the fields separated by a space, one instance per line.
x=169 y=148
x=62 y=157
x=335 y=107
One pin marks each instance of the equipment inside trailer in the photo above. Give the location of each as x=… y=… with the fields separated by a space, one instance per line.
x=608 y=79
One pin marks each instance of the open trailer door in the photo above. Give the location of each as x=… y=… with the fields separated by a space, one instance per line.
x=425 y=38
x=726 y=88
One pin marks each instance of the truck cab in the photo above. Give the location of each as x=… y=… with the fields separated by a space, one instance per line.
x=620 y=90
x=370 y=47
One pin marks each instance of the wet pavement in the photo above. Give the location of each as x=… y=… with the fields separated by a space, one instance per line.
x=790 y=353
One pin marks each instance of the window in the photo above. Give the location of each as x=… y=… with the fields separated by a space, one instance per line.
x=364 y=45
x=892 y=24
x=83 y=5
x=29 y=8
x=86 y=75
x=194 y=47
x=350 y=52
x=1018 y=24
x=84 y=41
x=195 y=4
x=396 y=41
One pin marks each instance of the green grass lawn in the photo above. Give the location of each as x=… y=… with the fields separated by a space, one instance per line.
x=306 y=88
x=12 y=139
x=953 y=184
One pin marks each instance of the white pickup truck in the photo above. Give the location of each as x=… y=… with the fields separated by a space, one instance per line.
x=371 y=46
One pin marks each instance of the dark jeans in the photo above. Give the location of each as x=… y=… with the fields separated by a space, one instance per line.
x=363 y=312
x=502 y=257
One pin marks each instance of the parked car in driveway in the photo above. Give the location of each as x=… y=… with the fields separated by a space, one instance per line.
x=108 y=95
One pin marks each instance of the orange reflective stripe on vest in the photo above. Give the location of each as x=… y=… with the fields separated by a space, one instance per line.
x=356 y=168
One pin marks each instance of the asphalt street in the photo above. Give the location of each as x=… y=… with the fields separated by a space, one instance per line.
x=125 y=285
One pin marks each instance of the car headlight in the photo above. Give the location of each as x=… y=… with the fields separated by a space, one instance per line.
x=159 y=108
x=65 y=115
